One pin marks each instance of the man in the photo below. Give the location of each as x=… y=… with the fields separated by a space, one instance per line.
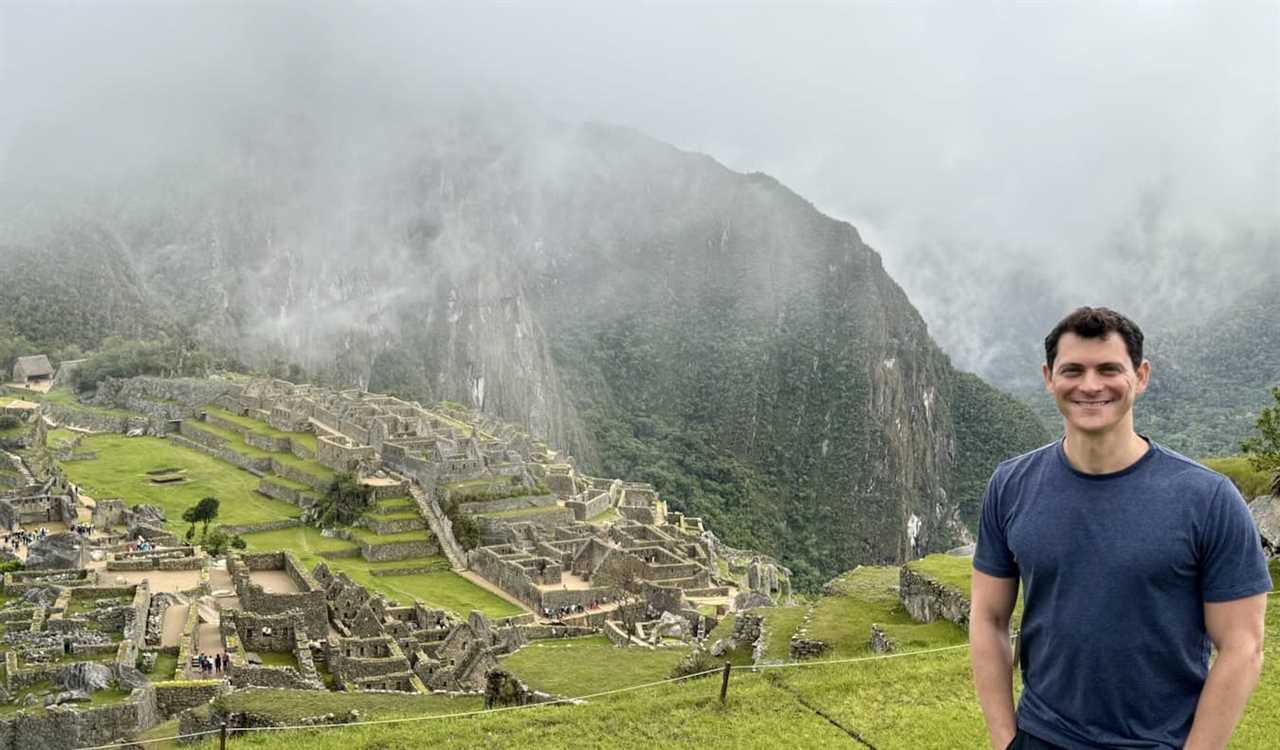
x=1132 y=558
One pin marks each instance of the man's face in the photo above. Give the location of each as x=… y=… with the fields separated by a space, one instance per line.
x=1094 y=382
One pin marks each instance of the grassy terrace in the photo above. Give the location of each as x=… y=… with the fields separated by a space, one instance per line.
x=1250 y=481
x=956 y=573
x=575 y=666
x=867 y=596
x=444 y=588
x=522 y=512
x=780 y=624
x=121 y=471
x=236 y=443
x=64 y=397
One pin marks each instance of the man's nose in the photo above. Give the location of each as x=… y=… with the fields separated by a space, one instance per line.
x=1092 y=381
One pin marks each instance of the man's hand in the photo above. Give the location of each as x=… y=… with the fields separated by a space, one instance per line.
x=1236 y=629
x=992 y=656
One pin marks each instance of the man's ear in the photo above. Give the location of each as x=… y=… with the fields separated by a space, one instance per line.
x=1144 y=376
x=1047 y=374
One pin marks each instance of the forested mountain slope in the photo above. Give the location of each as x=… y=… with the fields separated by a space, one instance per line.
x=657 y=315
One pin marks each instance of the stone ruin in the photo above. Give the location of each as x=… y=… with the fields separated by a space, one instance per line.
x=407 y=648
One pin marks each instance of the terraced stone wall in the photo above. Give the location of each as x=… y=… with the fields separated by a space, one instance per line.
x=584 y=509
x=926 y=600
x=175 y=696
x=510 y=503
x=291 y=495
x=293 y=474
x=62 y=728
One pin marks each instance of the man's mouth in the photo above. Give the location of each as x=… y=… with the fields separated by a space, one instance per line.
x=1099 y=402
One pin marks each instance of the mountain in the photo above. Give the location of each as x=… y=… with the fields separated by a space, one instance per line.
x=648 y=310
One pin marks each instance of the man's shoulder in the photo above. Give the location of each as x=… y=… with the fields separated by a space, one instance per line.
x=1019 y=466
x=1190 y=474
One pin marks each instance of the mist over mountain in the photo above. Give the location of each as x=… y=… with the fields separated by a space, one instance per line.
x=657 y=315
x=407 y=199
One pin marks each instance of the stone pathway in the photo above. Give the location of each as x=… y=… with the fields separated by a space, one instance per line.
x=175 y=618
x=429 y=509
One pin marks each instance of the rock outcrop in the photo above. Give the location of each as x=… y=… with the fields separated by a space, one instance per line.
x=1266 y=515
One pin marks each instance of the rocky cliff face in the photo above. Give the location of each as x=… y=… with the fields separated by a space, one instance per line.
x=653 y=313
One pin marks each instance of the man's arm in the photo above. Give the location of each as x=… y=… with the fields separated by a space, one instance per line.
x=1236 y=628
x=993 y=600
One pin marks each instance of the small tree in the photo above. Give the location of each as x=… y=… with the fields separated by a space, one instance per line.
x=204 y=512
x=190 y=515
x=216 y=541
x=1263 y=449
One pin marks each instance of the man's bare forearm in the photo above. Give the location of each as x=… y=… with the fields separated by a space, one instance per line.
x=1231 y=680
x=993 y=676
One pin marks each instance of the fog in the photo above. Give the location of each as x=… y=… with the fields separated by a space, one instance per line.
x=1008 y=162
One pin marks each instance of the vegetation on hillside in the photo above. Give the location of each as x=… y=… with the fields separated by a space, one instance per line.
x=1263 y=449
x=343 y=501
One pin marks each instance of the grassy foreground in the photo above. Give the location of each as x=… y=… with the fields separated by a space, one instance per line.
x=917 y=701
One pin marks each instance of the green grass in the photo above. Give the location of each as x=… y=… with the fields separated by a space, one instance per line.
x=950 y=570
x=580 y=666
x=165 y=666
x=740 y=656
x=1250 y=481
x=121 y=471
x=522 y=512
x=408 y=514
x=780 y=624
x=444 y=589
x=64 y=397
x=278 y=659
x=305 y=541
x=608 y=516
x=867 y=596
x=370 y=537
x=237 y=443
x=956 y=573
x=292 y=705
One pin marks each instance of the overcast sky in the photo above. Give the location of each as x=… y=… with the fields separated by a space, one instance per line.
x=972 y=144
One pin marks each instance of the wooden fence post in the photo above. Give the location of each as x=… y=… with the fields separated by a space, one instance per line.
x=724 y=684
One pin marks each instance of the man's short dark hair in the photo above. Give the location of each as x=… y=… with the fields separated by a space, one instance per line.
x=1095 y=323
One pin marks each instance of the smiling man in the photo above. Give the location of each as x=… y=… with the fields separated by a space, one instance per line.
x=1133 y=560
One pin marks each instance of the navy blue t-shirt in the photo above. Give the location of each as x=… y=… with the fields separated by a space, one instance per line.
x=1115 y=570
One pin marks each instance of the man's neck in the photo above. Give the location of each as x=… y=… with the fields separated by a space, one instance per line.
x=1104 y=453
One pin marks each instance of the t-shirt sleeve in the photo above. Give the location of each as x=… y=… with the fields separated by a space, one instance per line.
x=992 y=554
x=1232 y=562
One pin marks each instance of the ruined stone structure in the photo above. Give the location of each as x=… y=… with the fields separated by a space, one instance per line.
x=926 y=600
x=308 y=602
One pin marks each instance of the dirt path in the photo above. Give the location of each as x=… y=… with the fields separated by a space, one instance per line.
x=207 y=641
x=220 y=579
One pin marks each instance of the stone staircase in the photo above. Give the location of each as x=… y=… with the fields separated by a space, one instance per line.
x=440 y=526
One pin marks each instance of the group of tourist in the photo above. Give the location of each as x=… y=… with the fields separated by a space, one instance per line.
x=140 y=545
x=213 y=666
x=83 y=529
x=555 y=613
x=16 y=540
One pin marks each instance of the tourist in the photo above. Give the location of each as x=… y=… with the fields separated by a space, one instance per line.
x=1132 y=558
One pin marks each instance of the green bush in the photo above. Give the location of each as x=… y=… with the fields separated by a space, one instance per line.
x=343 y=502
